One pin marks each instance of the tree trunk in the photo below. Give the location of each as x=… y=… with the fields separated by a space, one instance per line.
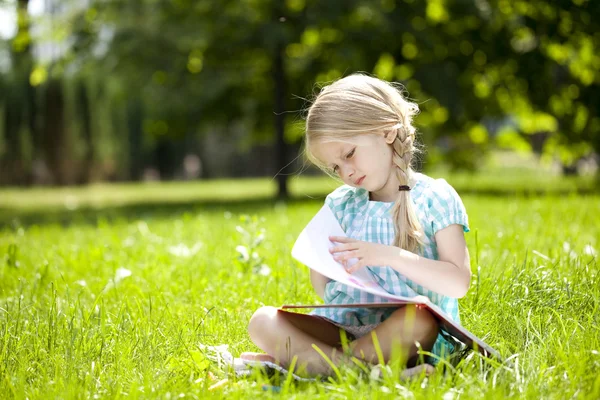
x=11 y=167
x=280 y=147
x=165 y=157
x=134 y=130
x=83 y=101
x=54 y=137
x=20 y=96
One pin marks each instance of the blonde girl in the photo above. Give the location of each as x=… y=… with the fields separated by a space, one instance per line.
x=403 y=227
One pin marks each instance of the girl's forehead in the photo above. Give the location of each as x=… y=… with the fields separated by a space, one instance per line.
x=330 y=149
x=359 y=140
x=332 y=146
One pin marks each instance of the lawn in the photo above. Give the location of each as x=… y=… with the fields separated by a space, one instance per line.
x=110 y=296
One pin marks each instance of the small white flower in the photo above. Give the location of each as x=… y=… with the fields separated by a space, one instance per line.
x=264 y=270
x=243 y=252
x=121 y=274
x=181 y=250
x=590 y=250
x=573 y=254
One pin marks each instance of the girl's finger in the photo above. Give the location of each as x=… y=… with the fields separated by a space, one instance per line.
x=341 y=239
x=344 y=247
x=347 y=256
x=355 y=267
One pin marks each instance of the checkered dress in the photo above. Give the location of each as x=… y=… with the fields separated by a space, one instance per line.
x=437 y=206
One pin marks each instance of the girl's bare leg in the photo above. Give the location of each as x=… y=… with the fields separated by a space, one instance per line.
x=402 y=329
x=284 y=335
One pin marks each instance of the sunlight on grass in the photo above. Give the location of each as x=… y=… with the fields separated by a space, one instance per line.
x=119 y=307
x=98 y=196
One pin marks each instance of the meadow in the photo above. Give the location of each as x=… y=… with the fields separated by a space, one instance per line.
x=110 y=291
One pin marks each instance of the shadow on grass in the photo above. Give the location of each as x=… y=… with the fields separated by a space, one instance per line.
x=131 y=212
x=161 y=209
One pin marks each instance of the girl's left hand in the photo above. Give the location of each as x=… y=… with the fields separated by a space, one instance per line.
x=367 y=253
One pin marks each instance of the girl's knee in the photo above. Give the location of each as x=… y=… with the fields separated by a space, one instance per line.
x=430 y=329
x=262 y=321
x=421 y=322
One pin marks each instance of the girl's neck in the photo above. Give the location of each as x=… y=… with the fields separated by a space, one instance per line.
x=389 y=193
x=375 y=197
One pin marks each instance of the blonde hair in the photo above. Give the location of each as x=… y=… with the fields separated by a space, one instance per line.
x=359 y=104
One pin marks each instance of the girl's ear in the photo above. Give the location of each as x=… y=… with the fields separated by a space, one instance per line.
x=390 y=135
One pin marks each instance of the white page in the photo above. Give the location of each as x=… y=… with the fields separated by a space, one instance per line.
x=312 y=249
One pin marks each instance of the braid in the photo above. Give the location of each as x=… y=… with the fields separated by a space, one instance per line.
x=409 y=232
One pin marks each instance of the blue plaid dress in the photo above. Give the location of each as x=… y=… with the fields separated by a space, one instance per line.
x=437 y=206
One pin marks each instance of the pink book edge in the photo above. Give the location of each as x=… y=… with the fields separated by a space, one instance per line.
x=453 y=328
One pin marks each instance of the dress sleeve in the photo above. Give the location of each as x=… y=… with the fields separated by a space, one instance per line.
x=339 y=201
x=446 y=207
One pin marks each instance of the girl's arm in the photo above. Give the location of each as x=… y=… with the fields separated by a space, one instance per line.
x=318 y=282
x=449 y=276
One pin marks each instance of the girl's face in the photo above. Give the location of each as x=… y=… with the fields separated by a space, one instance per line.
x=365 y=162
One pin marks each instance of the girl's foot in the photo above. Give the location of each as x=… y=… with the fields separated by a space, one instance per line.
x=426 y=369
x=250 y=356
x=407 y=374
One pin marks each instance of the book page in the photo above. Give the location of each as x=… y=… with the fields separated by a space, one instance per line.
x=312 y=249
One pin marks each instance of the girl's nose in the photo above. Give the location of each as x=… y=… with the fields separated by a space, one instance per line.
x=350 y=172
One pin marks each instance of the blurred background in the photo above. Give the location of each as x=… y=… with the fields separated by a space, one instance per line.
x=113 y=90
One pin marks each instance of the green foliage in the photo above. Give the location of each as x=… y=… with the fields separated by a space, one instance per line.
x=252 y=235
x=12 y=259
x=476 y=68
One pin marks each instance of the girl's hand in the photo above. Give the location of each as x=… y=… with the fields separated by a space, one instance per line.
x=367 y=253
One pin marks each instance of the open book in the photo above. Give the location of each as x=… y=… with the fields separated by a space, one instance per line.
x=312 y=249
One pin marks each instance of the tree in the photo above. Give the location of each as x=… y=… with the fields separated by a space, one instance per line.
x=20 y=107
x=555 y=47
x=182 y=68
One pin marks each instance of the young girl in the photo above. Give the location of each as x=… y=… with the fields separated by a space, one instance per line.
x=404 y=227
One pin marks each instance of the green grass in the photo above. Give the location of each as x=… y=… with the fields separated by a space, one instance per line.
x=44 y=200
x=73 y=326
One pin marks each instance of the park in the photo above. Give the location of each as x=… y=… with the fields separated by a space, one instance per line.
x=154 y=178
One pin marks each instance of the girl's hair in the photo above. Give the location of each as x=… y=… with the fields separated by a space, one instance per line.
x=357 y=105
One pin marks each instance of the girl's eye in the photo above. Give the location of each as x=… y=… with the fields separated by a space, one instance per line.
x=335 y=169
x=349 y=155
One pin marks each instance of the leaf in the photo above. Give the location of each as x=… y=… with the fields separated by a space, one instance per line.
x=200 y=360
